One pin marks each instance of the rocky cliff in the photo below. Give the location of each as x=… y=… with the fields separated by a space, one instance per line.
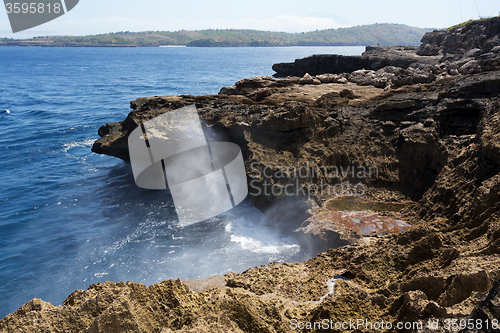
x=472 y=47
x=433 y=133
x=374 y=58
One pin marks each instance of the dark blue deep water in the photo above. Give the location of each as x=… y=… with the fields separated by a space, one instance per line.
x=70 y=218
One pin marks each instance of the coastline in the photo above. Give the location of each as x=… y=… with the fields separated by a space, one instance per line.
x=385 y=34
x=34 y=44
x=435 y=140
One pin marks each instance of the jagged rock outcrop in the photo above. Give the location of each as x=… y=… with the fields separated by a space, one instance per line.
x=435 y=143
x=412 y=277
x=409 y=134
x=472 y=38
x=374 y=58
x=472 y=47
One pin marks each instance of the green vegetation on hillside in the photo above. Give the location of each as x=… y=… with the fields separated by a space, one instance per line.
x=463 y=24
x=384 y=34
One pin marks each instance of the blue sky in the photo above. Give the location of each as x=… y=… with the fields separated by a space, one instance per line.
x=94 y=17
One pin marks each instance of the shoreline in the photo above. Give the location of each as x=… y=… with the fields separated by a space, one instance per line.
x=126 y=46
x=385 y=34
x=431 y=128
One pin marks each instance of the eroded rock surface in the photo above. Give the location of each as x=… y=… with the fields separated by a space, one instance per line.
x=434 y=143
x=469 y=48
x=375 y=58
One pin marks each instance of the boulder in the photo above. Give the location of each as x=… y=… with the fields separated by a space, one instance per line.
x=365 y=77
x=332 y=78
x=392 y=75
x=473 y=53
x=308 y=79
x=228 y=90
x=470 y=67
x=411 y=76
x=428 y=50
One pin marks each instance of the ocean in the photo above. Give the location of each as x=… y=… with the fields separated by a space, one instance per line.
x=71 y=218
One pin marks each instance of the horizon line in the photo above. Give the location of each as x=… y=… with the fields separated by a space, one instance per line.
x=218 y=29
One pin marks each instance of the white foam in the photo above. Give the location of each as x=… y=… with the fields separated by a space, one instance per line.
x=252 y=233
x=100 y=275
x=82 y=143
x=256 y=246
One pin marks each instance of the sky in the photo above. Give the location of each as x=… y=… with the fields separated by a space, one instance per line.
x=91 y=17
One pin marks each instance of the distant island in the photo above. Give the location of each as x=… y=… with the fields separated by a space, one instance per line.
x=383 y=34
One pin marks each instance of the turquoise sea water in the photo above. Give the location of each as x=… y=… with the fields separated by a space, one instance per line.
x=70 y=218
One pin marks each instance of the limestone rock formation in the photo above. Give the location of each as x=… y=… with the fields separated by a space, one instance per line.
x=396 y=132
x=469 y=48
x=374 y=58
x=479 y=36
x=435 y=143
